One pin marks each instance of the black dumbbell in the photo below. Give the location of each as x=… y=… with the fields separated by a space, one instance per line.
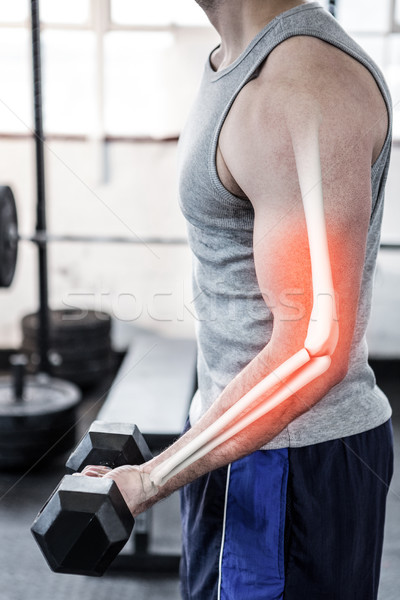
x=86 y=522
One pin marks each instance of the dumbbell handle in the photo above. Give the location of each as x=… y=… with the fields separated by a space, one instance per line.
x=101 y=445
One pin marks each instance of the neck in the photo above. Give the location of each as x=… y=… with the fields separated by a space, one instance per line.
x=239 y=21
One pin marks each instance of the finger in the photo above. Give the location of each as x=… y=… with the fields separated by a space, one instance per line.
x=94 y=471
x=99 y=468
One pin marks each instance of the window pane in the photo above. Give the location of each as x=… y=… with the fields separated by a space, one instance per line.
x=63 y=11
x=325 y=3
x=135 y=86
x=187 y=12
x=392 y=73
x=157 y=12
x=374 y=45
x=13 y=11
x=15 y=76
x=134 y=12
x=69 y=81
x=364 y=15
x=151 y=79
x=397 y=12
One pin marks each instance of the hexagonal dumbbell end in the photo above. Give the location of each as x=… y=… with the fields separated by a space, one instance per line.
x=83 y=526
x=111 y=444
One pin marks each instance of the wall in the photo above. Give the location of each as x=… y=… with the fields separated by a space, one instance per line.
x=142 y=284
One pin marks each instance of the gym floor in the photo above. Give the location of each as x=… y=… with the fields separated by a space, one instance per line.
x=24 y=573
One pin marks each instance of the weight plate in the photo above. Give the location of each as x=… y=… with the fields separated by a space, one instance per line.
x=88 y=374
x=70 y=323
x=81 y=373
x=22 y=437
x=27 y=455
x=73 y=338
x=82 y=365
x=88 y=377
x=77 y=350
x=42 y=394
x=85 y=366
x=45 y=401
x=43 y=421
x=8 y=236
x=59 y=439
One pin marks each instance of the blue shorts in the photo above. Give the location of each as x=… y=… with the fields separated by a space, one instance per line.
x=293 y=524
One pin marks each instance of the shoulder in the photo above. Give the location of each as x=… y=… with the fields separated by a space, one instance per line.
x=303 y=79
x=302 y=74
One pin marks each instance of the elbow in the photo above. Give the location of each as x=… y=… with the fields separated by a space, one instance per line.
x=322 y=338
x=323 y=342
x=323 y=328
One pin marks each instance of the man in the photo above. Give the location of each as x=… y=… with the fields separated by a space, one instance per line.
x=292 y=506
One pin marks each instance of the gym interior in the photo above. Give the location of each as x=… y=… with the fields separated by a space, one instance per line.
x=97 y=320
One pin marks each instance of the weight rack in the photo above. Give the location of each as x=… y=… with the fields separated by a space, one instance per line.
x=43 y=337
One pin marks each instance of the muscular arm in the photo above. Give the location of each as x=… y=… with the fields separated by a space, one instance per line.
x=264 y=152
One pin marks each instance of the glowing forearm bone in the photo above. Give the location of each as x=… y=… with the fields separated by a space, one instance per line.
x=312 y=370
x=322 y=334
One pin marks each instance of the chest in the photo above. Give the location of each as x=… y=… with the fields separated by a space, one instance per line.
x=208 y=195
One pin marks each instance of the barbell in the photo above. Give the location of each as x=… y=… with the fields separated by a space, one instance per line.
x=10 y=237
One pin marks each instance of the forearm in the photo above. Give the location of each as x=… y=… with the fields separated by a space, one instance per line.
x=252 y=437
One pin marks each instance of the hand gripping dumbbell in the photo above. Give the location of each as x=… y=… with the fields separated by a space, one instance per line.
x=86 y=522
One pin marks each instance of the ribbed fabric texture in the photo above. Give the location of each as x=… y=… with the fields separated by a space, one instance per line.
x=233 y=322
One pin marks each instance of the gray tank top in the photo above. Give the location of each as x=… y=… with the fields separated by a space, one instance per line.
x=233 y=322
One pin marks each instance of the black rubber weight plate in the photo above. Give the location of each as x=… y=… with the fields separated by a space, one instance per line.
x=82 y=373
x=26 y=455
x=71 y=338
x=85 y=366
x=8 y=247
x=69 y=322
x=45 y=400
x=87 y=374
x=24 y=437
x=40 y=422
x=77 y=350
